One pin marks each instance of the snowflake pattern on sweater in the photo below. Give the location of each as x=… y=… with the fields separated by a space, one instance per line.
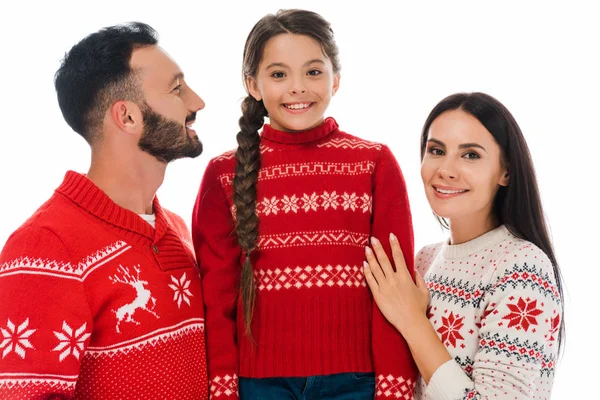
x=95 y=303
x=495 y=306
x=320 y=195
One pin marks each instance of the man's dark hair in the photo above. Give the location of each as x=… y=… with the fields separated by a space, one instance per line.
x=96 y=73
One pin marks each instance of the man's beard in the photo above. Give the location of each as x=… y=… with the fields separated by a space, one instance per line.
x=166 y=139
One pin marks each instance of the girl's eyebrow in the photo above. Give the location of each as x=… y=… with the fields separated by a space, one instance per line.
x=283 y=65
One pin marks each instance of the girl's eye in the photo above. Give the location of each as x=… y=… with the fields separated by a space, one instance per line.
x=177 y=89
x=314 y=72
x=277 y=74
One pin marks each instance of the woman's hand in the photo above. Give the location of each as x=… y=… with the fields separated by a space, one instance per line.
x=400 y=300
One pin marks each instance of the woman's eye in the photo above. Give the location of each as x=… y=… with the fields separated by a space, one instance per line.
x=472 y=156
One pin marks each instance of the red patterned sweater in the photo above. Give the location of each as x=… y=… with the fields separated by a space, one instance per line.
x=97 y=304
x=320 y=195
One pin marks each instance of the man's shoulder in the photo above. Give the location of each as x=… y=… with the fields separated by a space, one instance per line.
x=49 y=229
x=46 y=218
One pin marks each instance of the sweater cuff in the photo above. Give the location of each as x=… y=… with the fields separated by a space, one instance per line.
x=394 y=387
x=449 y=382
x=224 y=387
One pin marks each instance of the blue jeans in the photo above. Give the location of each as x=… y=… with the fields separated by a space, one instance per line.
x=348 y=386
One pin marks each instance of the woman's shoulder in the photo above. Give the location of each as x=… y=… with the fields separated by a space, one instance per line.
x=522 y=262
x=517 y=251
x=425 y=257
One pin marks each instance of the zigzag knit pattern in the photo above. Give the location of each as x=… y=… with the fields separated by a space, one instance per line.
x=95 y=303
x=320 y=195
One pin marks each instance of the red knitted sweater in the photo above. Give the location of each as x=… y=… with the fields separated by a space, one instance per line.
x=320 y=195
x=97 y=304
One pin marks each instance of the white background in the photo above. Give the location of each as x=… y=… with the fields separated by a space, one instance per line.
x=398 y=60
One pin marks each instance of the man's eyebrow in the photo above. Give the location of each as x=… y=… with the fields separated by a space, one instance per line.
x=175 y=78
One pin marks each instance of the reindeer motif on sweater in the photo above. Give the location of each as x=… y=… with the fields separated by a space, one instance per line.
x=141 y=301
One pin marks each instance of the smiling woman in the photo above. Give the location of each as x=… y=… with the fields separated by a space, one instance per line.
x=462 y=168
x=493 y=326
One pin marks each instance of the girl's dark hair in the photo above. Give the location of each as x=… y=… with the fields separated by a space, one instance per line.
x=518 y=206
x=297 y=22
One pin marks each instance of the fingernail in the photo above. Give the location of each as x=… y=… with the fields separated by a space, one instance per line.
x=374 y=240
x=365 y=265
x=368 y=251
x=392 y=237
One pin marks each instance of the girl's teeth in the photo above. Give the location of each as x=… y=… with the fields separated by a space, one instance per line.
x=297 y=106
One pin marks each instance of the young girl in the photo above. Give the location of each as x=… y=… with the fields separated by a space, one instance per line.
x=280 y=226
x=494 y=321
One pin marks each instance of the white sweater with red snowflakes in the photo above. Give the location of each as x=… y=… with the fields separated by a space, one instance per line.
x=495 y=306
x=97 y=304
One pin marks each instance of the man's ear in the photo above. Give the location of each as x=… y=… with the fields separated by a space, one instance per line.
x=127 y=116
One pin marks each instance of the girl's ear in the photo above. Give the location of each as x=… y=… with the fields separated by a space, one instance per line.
x=253 y=88
x=336 y=84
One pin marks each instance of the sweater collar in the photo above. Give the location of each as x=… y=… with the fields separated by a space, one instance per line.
x=487 y=240
x=82 y=191
x=325 y=129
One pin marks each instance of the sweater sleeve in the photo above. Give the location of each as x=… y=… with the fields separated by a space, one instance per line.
x=218 y=255
x=45 y=320
x=517 y=336
x=395 y=370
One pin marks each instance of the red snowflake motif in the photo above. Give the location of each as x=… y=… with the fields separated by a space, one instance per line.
x=469 y=370
x=522 y=314
x=472 y=394
x=451 y=329
x=554 y=325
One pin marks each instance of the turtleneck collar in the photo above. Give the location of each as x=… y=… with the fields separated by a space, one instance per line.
x=325 y=129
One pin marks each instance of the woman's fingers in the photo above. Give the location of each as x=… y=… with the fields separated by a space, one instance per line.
x=374 y=267
x=371 y=281
x=382 y=258
x=398 y=257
